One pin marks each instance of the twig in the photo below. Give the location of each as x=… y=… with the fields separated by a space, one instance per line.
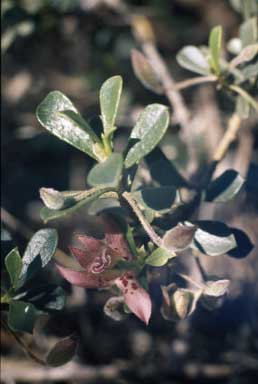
x=25 y=348
x=194 y=81
x=233 y=127
x=147 y=227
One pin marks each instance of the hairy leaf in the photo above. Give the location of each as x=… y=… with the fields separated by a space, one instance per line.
x=192 y=58
x=149 y=130
x=215 y=41
x=225 y=187
x=13 y=263
x=109 y=98
x=107 y=173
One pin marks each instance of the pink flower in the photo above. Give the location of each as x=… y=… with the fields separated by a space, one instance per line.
x=97 y=259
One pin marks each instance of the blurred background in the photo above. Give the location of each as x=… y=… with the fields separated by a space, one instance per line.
x=73 y=46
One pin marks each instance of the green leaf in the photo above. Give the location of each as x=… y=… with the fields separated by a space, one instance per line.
x=107 y=173
x=149 y=130
x=145 y=73
x=38 y=253
x=156 y=198
x=249 y=32
x=50 y=214
x=215 y=41
x=109 y=98
x=192 y=58
x=213 y=238
x=159 y=257
x=59 y=116
x=22 y=316
x=62 y=352
x=225 y=187
x=13 y=263
x=107 y=204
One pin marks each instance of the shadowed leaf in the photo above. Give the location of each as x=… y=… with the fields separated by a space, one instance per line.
x=62 y=352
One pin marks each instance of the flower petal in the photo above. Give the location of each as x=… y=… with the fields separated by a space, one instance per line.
x=90 y=243
x=136 y=298
x=82 y=256
x=82 y=279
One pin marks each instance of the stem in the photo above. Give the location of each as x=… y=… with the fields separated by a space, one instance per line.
x=147 y=227
x=187 y=278
x=106 y=143
x=22 y=344
x=233 y=127
x=194 y=81
x=245 y=95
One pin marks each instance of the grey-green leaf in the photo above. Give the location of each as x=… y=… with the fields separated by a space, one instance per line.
x=149 y=130
x=213 y=238
x=249 y=32
x=215 y=41
x=109 y=98
x=107 y=173
x=192 y=58
x=178 y=238
x=61 y=124
x=38 y=253
x=50 y=214
x=22 y=316
x=13 y=263
x=62 y=352
x=159 y=257
x=145 y=73
x=224 y=187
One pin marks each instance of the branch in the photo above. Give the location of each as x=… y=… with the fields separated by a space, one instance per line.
x=233 y=127
x=147 y=227
x=194 y=81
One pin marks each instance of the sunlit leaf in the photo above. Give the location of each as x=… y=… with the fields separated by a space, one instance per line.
x=56 y=113
x=38 y=253
x=213 y=238
x=159 y=257
x=224 y=187
x=148 y=131
x=192 y=58
x=215 y=41
x=178 y=238
x=109 y=98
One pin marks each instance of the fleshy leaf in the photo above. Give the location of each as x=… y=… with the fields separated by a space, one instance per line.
x=225 y=187
x=13 y=263
x=62 y=352
x=38 y=253
x=22 y=316
x=178 y=303
x=109 y=97
x=192 y=58
x=159 y=257
x=135 y=297
x=178 y=238
x=215 y=41
x=213 y=238
x=149 y=130
x=107 y=173
x=145 y=73
x=60 y=125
